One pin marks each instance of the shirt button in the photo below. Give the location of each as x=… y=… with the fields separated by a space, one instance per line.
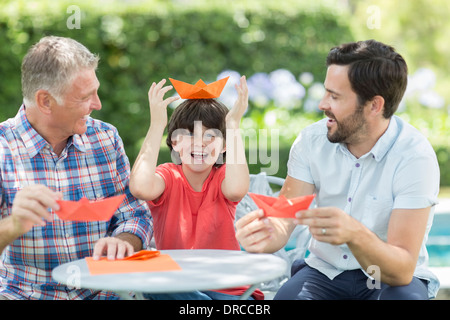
x=357 y=165
x=349 y=199
x=345 y=256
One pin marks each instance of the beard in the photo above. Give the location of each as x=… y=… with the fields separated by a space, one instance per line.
x=349 y=129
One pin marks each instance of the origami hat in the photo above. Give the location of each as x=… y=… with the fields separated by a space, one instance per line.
x=200 y=90
x=281 y=207
x=85 y=210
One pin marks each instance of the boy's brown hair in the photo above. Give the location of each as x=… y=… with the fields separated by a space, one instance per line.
x=210 y=112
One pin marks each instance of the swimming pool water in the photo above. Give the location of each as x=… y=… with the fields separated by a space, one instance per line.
x=438 y=244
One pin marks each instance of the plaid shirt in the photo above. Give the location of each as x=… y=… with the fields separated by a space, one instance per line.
x=93 y=165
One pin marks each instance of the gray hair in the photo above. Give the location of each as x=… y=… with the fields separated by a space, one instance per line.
x=51 y=65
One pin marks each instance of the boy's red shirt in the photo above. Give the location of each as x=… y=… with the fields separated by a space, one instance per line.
x=186 y=219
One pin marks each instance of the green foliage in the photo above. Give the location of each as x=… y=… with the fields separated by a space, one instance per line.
x=140 y=42
x=443 y=155
x=154 y=40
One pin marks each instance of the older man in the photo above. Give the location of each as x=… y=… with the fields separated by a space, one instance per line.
x=376 y=180
x=52 y=149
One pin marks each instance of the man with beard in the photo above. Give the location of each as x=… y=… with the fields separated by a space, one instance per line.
x=376 y=180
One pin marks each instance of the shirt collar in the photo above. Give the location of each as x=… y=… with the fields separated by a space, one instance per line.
x=384 y=143
x=77 y=142
x=33 y=141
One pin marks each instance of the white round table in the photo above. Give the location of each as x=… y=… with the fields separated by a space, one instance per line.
x=201 y=270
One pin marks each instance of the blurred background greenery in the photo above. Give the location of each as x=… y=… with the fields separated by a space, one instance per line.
x=280 y=45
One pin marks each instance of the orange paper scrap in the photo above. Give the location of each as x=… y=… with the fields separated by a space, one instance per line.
x=281 y=207
x=200 y=90
x=143 y=255
x=139 y=262
x=85 y=210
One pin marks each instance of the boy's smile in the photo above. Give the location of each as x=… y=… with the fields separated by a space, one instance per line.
x=200 y=149
x=198 y=157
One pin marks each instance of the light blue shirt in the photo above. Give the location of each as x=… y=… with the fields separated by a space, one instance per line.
x=401 y=171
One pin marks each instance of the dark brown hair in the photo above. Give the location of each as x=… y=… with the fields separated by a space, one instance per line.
x=374 y=69
x=210 y=112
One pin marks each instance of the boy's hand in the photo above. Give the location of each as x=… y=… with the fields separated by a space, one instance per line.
x=235 y=114
x=158 y=106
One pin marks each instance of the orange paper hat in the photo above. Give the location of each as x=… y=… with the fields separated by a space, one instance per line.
x=281 y=207
x=200 y=90
x=85 y=210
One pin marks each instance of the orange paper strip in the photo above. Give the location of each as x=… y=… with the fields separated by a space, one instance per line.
x=85 y=210
x=281 y=207
x=143 y=255
x=200 y=90
x=159 y=263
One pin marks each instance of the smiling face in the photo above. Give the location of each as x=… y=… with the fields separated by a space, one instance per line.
x=196 y=133
x=346 y=119
x=199 y=150
x=79 y=100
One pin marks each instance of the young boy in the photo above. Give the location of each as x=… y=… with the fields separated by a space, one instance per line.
x=193 y=202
